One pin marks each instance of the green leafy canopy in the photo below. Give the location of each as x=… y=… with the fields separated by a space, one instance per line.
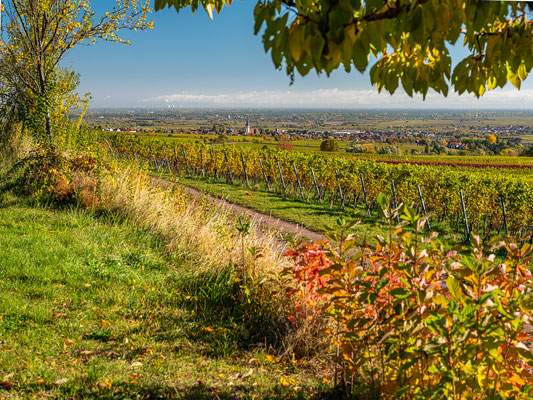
x=407 y=41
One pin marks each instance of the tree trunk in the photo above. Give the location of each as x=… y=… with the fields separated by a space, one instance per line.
x=49 y=128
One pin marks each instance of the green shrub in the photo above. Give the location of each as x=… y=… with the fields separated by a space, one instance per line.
x=389 y=150
x=222 y=138
x=329 y=145
x=528 y=152
x=356 y=148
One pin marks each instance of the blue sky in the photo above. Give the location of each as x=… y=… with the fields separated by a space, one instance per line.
x=190 y=61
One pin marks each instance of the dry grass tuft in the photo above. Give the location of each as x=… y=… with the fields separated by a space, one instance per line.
x=85 y=185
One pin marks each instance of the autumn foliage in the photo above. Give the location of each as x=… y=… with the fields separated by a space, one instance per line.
x=309 y=260
x=285 y=144
x=52 y=176
x=415 y=318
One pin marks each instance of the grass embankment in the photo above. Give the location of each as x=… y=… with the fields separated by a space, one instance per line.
x=93 y=306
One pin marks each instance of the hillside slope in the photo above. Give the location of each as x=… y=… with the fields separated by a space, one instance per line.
x=91 y=306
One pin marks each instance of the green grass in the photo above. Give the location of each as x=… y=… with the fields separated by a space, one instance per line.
x=92 y=307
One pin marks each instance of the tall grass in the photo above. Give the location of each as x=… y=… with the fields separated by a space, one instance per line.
x=194 y=227
x=207 y=234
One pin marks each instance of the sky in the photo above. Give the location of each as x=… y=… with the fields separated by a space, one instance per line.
x=190 y=61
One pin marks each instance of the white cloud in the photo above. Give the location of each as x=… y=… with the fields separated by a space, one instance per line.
x=333 y=98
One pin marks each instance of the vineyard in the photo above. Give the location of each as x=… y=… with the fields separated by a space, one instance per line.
x=465 y=199
x=508 y=163
x=500 y=162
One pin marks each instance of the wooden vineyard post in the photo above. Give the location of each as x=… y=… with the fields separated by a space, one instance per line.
x=134 y=154
x=264 y=174
x=281 y=177
x=467 y=228
x=202 y=162
x=394 y=199
x=156 y=164
x=423 y=205
x=355 y=200
x=111 y=149
x=365 y=199
x=186 y=161
x=215 y=169
x=176 y=163
x=228 y=178
x=364 y=188
x=506 y=226
x=168 y=163
x=245 y=172
x=316 y=186
x=340 y=188
x=298 y=180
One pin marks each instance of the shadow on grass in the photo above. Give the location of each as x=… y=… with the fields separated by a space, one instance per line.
x=82 y=389
x=7 y=200
x=228 y=314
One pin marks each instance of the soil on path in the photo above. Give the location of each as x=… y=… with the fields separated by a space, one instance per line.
x=262 y=219
x=266 y=221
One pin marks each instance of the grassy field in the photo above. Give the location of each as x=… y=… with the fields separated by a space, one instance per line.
x=527 y=138
x=313 y=146
x=306 y=146
x=92 y=307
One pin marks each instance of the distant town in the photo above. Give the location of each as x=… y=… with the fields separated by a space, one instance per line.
x=416 y=127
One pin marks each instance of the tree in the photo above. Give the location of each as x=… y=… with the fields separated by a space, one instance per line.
x=528 y=152
x=355 y=148
x=329 y=145
x=37 y=34
x=285 y=144
x=491 y=138
x=411 y=40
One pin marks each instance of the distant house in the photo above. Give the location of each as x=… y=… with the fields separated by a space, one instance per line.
x=457 y=146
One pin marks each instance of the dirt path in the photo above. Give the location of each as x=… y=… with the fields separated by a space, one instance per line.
x=263 y=220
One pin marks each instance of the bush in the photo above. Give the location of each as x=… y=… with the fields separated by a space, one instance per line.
x=222 y=138
x=528 y=152
x=49 y=175
x=329 y=145
x=389 y=150
x=418 y=319
x=355 y=148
